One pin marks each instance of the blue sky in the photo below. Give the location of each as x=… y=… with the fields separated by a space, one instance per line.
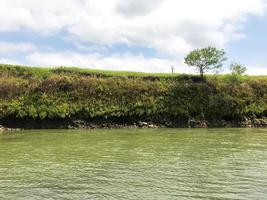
x=132 y=35
x=252 y=49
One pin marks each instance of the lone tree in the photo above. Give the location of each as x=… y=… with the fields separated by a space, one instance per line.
x=205 y=59
x=173 y=68
x=237 y=69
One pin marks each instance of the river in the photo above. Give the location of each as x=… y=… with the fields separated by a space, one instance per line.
x=134 y=164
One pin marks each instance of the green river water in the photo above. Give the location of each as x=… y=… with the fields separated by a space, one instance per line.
x=134 y=164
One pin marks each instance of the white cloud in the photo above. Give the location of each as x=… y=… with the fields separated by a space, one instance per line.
x=118 y=62
x=9 y=61
x=256 y=70
x=7 y=47
x=169 y=26
x=133 y=8
x=91 y=47
x=121 y=62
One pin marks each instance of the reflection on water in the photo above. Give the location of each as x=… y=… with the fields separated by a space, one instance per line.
x=134 y=164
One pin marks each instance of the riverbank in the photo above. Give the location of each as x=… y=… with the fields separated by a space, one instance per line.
x=120 y=123
x=75 y=98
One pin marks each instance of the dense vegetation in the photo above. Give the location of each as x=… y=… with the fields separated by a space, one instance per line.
x=64 y=93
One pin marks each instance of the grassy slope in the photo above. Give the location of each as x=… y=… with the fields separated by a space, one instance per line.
x=45 y=71
x=64 y=93
x=42 y=71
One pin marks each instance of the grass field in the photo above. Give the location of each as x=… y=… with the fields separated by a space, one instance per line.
x=47 y=93
x=45 y=71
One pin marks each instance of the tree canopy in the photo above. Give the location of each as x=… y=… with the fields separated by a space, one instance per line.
x=206 y=59
x=237 y=69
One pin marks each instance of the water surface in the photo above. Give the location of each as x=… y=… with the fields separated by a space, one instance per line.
x=134 y=164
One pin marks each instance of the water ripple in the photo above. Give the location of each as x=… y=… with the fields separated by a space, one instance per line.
x=134 y=164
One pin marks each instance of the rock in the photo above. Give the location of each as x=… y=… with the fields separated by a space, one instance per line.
x=191 y=123
x=151 y=126
x=2 y=128
x=71 y=127
x=79 y=124
x=142 y=124
x=259 y=122
x=203 y=124
x=246 y=123
x=92 y=126
x=134 y=126
x=145 y=124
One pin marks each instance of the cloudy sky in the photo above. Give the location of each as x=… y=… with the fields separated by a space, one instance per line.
x=132 y=35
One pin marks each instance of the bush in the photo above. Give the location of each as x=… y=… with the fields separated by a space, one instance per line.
x=26 y=94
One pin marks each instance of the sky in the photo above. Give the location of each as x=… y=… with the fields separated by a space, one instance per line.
x=132 y=35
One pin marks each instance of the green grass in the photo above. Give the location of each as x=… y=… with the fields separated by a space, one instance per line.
x=25 y=70
x=46 y=71
x=66 y=92
x=114 y=73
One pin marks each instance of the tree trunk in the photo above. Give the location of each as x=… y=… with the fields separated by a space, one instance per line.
x=201 y=73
